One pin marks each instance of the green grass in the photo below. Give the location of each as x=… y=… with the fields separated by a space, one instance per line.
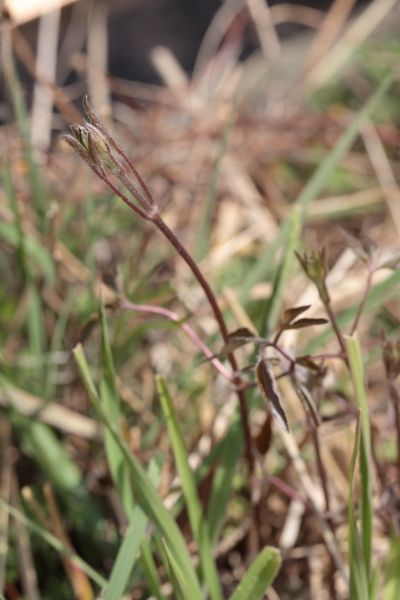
x=160 y=501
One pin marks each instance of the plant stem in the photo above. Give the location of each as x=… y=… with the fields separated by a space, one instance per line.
x=184 y=254
x=338 y=333
x=363 y=300
x=169 y=314
x=394 y=395
x=320 y=466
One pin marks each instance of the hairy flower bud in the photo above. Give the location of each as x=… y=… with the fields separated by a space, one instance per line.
x=92 y=142
x=313 y=264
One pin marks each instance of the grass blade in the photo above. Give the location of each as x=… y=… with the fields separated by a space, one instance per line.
x=274 y=306
x=196 y=516
x=180 y=583
x=391 y=588
x=36 y=181
x=121 y=476
x=144 y=492
x=41 y=442
x=36 y=252
x=376 y=297
x=203 y=236
x=358 y=573
x=55 y=543
x=317 y=181
x=150 y=570
x=357 y=373
x=134 y=539
x=229 y=455
x=316 y=184
x=111 y=402
x=126 y=556
x=259 y=576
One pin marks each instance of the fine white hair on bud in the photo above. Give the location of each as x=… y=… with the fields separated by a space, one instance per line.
x=94 y=144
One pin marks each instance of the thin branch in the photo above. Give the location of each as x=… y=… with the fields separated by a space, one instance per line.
x=172 y=316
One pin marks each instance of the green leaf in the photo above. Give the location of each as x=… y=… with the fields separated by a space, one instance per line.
x=376 y=297
x=291 y=228
x=144 y=491
x=180 y=584
x=126 y=556
x=109 y=395
x=54 y=542
x=391 y=587
x=150 y=570
x=317 y=181
x=34 y=249
x=37 y=186
x=203 y=236
x=259 y=576
x=358 y=572
x=353 y=350
x=36 y=325
x=43 y=444
x=197 y=519
x=230 y=452
x=284 y=273
x=134 y=539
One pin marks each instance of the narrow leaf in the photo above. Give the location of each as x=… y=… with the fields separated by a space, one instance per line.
x=308 y=402
x=269 y=388
x=307 y=361
x=391 y=588
x=301 y=323
x=273 y=307
x=54 y=542
x=358 y=574
x=259 y=576
x=144 y=491
x=290 y=314
x=222 y=482
x=126 y=555
x=111 y=402
x=180 y=584
x=197 y=520
x=357 y=373
x=236 y=339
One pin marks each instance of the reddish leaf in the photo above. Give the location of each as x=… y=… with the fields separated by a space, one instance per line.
x=301 y=323
x=267 y=384
x=263 y=439
x=292 y=313
x=236 y=339
x=306 y=361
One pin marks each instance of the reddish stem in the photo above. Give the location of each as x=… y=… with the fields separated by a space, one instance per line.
x=184 y=254
x=169 y=314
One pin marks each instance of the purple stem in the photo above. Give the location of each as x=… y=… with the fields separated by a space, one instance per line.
x=172 y=316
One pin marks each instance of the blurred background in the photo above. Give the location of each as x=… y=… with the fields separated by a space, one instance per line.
x=103 y=47
x=261 y=128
